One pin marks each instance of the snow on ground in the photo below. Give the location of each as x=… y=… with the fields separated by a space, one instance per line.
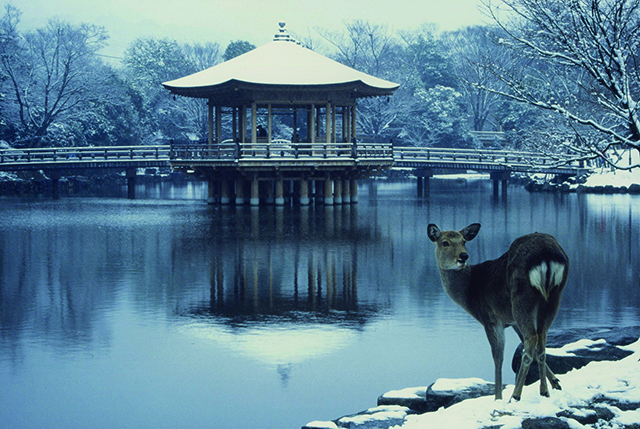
x=614 y=178
x=601 y=382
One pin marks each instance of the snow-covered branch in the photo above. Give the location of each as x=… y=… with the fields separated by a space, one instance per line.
x=583 y=64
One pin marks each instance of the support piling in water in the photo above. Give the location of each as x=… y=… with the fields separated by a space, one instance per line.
x=131 y=183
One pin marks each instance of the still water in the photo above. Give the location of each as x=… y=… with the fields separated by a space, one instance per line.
x=164 y=312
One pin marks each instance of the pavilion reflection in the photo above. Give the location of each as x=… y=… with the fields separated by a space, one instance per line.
x=283 y=284
x=286 y=265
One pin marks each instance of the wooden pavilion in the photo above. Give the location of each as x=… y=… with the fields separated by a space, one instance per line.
x=281 y=77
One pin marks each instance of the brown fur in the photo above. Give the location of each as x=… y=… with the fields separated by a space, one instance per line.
x=501 y=293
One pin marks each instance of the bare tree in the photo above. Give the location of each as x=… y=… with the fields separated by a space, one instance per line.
x=373 y=49
x=363 y=46
x=471 y=47
x=50 y=71
x=584 y=66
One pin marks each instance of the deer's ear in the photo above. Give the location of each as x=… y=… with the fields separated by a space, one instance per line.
x=470 y=232
x=433 y=232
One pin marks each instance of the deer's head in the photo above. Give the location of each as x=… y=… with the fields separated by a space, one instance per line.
x=451 y=252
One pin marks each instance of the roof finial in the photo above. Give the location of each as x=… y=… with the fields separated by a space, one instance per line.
x=283 y=34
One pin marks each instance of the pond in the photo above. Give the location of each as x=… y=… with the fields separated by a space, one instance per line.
x=164 y=312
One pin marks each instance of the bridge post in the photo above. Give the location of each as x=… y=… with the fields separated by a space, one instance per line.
x=131 y=183
x=354 y=189
x=497 y=177
x=268 y=192
x=279 y=192
x=240 y=200
x=255 y=191
x=423 y=182
x=346 y=192
x=54 y=175
x=318 y=189
x=328 y=191
x=212 y=191
x=337 y=191
x=304 y=192
x=224 y=192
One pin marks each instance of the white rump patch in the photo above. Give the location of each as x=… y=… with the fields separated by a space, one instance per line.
x=538 y=276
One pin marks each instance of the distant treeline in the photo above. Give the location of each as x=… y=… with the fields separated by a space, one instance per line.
x=563 y=79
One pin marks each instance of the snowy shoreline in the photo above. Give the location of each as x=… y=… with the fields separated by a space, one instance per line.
x=600 y=182
x=602 y=393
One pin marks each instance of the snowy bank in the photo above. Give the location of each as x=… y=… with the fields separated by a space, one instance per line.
x=603 y=393
x=603 y=181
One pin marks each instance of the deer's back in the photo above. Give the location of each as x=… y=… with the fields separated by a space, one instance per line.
x=496 y=284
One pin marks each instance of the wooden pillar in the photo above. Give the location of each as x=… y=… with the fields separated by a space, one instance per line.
x=318 y=188
x=345 y=137
x=328 y=191
x=337 y=191
x=240 y=192
x=346 y=192
x=304 y=192
x=219 y=124
x=55 y=183
x=255 y=191
x=243 y=124
x=312 y=124
x=318 y=123
x=254 y=123
x=497 y=177
x=354 y=191
x=328 y=123
x=354 y=122
x=234 y=123
x=333 y=124
x=210 y=122
x=55 y=188
x=269 y=193
x=224 y=192
x=279 y=201
x=212 y=191
x=269 y=123
x=131 y=183
x=294 y=137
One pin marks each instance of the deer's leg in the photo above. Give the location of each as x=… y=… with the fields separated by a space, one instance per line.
x=546 y=318
x=555 y=383
x=542 y=363
x=530 y=343
x=495 y=335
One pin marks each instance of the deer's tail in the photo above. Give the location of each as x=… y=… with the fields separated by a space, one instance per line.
x=548 y=274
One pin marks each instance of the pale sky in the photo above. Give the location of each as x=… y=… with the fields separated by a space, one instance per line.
x=253 y=20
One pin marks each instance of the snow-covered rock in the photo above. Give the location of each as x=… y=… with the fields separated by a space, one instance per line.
x=603 y=393
x=575 y=348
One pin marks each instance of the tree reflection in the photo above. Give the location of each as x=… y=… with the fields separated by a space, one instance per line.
x=305 y=271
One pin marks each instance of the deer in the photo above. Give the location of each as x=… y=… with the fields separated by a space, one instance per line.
x=521 y=289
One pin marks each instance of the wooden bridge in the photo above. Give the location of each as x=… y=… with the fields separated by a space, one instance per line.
x=289 y=161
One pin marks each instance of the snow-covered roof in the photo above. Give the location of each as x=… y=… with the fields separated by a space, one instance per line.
x=281 y=63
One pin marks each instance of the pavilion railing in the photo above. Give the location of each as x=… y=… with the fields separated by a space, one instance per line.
x=280 y=150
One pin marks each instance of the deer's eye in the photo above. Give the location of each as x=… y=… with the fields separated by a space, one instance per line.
x=445 y=243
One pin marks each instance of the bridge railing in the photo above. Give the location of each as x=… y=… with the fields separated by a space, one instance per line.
x=83 y=154
x=281 y=150
x=486 y=156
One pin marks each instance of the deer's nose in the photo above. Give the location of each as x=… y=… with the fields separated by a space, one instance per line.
x=464 y=256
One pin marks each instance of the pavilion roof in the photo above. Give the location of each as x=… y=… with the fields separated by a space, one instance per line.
x=280 y=65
